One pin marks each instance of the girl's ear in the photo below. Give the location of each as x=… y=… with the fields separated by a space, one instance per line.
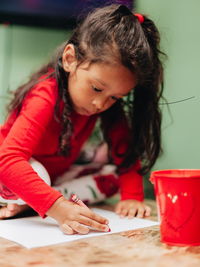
x=69 y=58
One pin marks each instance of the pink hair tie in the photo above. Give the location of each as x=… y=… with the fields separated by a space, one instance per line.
x=139 y=17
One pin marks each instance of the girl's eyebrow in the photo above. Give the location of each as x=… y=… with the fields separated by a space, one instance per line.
x=100 y=81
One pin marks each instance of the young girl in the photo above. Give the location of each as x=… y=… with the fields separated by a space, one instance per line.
x=109 y=69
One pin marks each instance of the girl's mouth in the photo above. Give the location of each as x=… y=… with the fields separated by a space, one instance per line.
x=87 y=113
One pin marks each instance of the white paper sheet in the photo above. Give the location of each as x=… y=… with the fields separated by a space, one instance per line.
x=37 y=232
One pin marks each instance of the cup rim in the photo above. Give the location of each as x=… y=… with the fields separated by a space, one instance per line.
x=175 y=173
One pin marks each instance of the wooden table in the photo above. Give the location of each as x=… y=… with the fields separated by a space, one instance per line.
x=131 y=248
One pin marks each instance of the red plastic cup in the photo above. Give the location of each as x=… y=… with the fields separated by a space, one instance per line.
x=178 y=200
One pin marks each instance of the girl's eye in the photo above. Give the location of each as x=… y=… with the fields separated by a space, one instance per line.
x=100 y=90
x=115 y=98
x=96 y=89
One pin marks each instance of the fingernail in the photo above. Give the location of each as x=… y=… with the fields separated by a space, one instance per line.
x=107 y=229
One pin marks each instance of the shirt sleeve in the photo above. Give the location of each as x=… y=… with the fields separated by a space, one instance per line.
x=15 y=171
x=131 y=182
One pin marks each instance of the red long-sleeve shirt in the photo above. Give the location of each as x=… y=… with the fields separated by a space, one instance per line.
x=34 y=132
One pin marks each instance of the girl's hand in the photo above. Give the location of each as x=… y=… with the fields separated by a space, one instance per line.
x=132 y=208
x=73 y=218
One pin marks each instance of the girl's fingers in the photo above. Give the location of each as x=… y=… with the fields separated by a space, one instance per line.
x=124 y=212
x=86 y=217
x=94 y=224
x=2 y=212
x=118 y=209
x=147 y=211
x=79 y=228
x=132 y=212
x=95 y=217
x=140 y=212
x=67 y=229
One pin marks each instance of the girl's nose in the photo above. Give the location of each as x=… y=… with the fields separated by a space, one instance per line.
x=98 y=103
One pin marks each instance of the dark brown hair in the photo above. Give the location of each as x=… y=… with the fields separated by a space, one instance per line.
x=112 y=34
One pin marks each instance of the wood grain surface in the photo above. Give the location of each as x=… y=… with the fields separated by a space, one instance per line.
x=132 y=248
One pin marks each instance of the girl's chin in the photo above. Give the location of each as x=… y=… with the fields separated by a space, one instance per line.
x=84 y=112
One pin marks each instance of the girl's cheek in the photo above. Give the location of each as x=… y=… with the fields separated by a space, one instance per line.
x=109 y=104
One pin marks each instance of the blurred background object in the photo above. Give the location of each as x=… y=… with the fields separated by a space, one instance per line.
x=49 y=13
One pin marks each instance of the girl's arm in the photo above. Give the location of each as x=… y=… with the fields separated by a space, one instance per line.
x=131 y=182
x=17 y=174
x=19 y=145
x=132 y=194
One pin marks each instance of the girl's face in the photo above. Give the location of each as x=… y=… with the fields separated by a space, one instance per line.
x=96 y=87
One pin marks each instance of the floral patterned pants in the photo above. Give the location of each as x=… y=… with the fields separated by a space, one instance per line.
x=92 y=182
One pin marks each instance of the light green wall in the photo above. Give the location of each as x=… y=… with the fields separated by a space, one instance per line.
x=22 y=51
x=179 y=24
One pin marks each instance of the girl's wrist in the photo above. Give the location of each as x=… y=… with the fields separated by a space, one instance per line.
x=55 y=210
